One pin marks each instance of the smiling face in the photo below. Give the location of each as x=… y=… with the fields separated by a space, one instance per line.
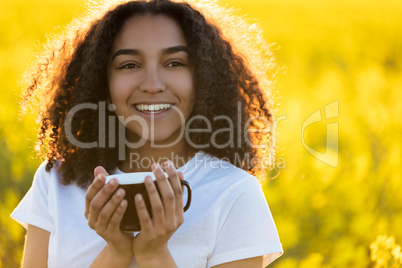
x=150 y=78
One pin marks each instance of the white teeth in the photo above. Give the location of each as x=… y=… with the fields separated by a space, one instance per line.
x=152 y=107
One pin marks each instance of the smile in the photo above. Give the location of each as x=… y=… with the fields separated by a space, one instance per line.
x=153 y=108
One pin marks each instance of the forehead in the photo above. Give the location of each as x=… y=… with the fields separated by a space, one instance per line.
x=149 y=31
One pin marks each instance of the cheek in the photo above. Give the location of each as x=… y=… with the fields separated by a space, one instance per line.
x=188 y=98
x=119 y=88
x=190 y=91
x=184 y=87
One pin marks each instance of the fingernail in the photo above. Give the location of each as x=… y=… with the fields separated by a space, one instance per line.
x=148 y=179
x=154 y=166
x=119 y=192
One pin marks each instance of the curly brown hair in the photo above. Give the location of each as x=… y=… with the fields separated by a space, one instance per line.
x=75 y=71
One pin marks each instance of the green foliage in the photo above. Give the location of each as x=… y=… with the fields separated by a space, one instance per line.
x=346 y=51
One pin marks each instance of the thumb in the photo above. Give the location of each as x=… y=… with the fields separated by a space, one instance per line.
x=99 y=170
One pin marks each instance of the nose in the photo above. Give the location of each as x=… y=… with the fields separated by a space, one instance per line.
x=152 y=81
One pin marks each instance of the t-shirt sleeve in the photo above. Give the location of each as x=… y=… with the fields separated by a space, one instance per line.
x=34 y=207
x=246 y=227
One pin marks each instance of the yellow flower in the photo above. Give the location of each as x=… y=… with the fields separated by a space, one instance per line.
x=385 y=252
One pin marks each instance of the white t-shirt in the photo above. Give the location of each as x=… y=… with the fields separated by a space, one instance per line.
x=228 y=219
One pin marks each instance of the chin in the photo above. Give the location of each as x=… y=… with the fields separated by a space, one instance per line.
x=163 y=139
x=161 y=135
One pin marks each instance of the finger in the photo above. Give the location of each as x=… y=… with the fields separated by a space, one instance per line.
x=99 y=200
x=92 y=191
x=105 y=215
x=99 y=180
x=179 y=204
x=100 y=170
x=158 y=213
x=117 y=216
x=166 y=192
x=181 y=176
x=175 y=178
x=143 y=215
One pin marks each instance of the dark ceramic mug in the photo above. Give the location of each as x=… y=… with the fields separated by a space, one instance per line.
x=133 y=183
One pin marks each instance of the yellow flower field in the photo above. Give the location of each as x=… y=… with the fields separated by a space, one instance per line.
x=337 y=193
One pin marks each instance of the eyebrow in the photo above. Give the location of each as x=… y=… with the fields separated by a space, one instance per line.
x=165 y=51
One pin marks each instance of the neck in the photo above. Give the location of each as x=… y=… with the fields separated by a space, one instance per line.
x=141 y=159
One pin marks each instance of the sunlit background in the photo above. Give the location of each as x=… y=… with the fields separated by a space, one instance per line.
x=337 y=201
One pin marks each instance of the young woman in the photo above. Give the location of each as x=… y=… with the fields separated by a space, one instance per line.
x=148 y=83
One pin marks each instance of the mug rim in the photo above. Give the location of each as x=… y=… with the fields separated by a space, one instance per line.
x=131 y=178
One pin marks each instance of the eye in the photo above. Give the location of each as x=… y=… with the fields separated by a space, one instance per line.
x=129 y=66
x=175 y=64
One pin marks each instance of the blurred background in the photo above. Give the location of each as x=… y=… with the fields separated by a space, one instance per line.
x=337 y=201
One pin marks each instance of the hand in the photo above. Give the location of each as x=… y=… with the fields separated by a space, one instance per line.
x=104 y=209
x=150 y=245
